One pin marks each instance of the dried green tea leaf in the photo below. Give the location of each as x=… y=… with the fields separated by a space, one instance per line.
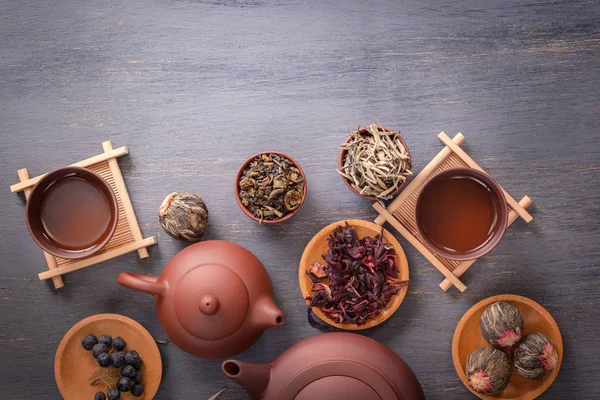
x=271 y=187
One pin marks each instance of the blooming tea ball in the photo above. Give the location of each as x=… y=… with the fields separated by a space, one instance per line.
x=535 y=356
x=501 y=324
x=183 y=216
x=488 y=370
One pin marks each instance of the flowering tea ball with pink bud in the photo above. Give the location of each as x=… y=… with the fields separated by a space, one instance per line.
x=535 y=356
x=501 y=324
x=488 y=370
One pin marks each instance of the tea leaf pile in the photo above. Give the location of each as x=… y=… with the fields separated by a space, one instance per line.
x=376 y=162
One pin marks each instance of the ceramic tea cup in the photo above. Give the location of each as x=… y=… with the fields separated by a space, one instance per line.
x=461 y=214
x=344 y=152
x=72 y=213
x=246 y=210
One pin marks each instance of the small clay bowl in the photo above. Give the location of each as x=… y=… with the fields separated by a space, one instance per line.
x=498 y=228
x=342 y=157
x=75 y=368
x=467 y=338
x=237 y=189
x=35 y=205
x=318 y=246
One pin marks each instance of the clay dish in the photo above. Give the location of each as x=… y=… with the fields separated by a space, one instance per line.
x=468 y=338
x=498 y=228
x=243 y=207
x=93 y=183
x=74 y=367
x=317 y=247
x=342 y=156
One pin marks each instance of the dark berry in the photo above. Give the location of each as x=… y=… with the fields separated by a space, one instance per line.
x=138 y=364
x=106 y=339
x=113 y=394
x=131 y=357
x=128 y=371
x=124 y=384
x=119 y=344
x=99 y=396
x=137 y=390
x=104 y=360
x=89 y=342
x=99 y=349
x=137 y=378
x=118 y=359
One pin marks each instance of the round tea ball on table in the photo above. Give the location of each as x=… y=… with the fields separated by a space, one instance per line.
x=535 y=356
x=184 y=216
x=501 y=324
x=488 y=370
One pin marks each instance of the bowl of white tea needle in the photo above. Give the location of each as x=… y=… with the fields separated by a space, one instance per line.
x=375 y=162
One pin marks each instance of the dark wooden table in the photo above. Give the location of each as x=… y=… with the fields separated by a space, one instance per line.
x=195 y=87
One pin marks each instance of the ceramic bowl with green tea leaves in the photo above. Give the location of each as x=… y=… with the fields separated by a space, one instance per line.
x=270 y=187
x=375 y=162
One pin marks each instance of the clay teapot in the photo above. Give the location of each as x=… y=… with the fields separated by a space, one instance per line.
x=330 y=366
x=214 y=298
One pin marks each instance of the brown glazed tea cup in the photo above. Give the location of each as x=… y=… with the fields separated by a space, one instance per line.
x=495 y=230
x=243 y=207
x=342 y=157
x=72 y=213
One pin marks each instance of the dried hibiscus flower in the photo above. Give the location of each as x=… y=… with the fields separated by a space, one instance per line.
x=359 y=278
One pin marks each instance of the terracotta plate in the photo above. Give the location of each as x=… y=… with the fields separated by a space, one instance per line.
x=74 y=367
x=317 y=247
x=467 y=338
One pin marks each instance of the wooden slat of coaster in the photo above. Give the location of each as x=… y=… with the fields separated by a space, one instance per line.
x=121 y=151
x=401 y=211
x=127 y=236
x=136 y=233
x=86 y=262
x=52 y=264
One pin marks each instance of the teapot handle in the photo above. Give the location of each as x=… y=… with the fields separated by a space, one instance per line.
x=144 y=283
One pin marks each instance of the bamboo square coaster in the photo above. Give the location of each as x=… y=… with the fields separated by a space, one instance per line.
x=127 y=237
x=401 y=211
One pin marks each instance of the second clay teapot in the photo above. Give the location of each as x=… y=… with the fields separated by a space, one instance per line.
x=330 y=366
x=214 y=298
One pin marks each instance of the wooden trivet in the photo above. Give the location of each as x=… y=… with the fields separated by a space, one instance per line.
x=401 y=211
x=127 y=236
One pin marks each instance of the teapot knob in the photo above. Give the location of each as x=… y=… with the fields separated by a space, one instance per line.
x=209 y=304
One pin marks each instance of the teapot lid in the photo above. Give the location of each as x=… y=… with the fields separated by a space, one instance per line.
x=342 y=387
x=211 y=301
x=344 y=379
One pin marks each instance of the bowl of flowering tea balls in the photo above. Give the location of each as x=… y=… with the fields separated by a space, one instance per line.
x=507 y=347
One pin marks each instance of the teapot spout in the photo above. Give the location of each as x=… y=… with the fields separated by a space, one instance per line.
x=266 y=314
x=254 y=378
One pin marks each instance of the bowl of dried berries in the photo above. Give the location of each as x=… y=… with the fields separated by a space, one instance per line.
x=353 y=275
x=107 y=357
x=375 y=162
x=270 y=187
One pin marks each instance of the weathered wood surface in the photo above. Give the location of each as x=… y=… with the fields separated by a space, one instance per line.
x=194 y=87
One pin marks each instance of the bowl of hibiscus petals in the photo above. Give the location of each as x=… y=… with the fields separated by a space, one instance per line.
x=353 y=275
